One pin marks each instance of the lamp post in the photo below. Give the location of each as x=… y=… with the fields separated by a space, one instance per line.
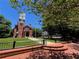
x=44 y=36
x=35 y=32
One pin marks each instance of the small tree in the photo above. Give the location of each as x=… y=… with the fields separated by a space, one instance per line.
x=37 y=32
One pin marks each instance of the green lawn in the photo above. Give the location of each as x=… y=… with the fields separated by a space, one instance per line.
x=7 y=43
x=12 y=39
x=53 y=40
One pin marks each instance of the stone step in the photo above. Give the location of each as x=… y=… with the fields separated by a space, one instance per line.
x=56 y=49
x=56 y=45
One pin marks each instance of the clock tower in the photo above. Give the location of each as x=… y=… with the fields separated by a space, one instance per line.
x=21 y=25
x=21 y=29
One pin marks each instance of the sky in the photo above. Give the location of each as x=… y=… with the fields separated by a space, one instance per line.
x=11 y=14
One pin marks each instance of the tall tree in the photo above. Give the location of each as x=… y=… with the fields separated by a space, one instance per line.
x=5 y=27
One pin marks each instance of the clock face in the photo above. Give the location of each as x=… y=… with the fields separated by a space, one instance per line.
x=22 y=16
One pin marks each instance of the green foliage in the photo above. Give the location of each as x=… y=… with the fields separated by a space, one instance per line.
x=58 y=15
x=18 y=5
x=5 y=27
x=56 y=11
x=37 y=32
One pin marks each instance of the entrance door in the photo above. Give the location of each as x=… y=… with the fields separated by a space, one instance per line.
x=27 y=34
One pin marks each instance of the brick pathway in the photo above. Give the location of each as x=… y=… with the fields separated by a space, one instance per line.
x=19 y=56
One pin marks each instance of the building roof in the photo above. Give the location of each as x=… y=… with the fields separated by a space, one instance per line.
x=28 y=27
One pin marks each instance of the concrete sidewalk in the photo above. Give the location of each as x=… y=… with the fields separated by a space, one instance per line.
x=39 y=40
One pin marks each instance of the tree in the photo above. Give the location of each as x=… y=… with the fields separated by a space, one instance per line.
x=5 y=27
x=53 y=11
x=18 y=5
x=37 y=32
x=58 y=14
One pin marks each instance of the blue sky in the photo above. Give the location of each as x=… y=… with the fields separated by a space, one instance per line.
x=12 y=15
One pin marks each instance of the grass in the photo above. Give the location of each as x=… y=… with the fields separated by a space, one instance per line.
x=7 y=43
x=54 y=40
x=12 y=39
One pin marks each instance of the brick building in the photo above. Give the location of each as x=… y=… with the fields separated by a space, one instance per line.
x=21 y=30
